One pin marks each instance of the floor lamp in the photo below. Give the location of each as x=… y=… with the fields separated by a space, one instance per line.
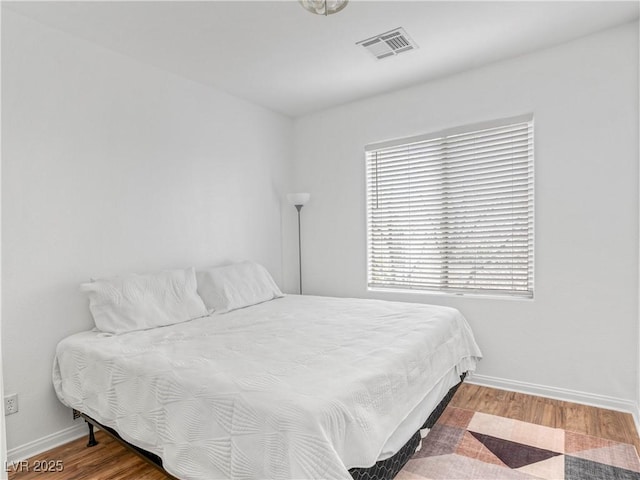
x=298 y=200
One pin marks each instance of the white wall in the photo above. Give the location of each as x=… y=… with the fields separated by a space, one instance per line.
x=110 y=166
x=3 y=438
x=580 y=333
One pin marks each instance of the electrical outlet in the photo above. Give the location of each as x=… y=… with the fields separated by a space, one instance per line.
x=11 y=404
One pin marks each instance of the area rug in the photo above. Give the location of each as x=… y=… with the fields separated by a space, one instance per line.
x=468 y=445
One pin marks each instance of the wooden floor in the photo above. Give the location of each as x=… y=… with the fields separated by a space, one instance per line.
x=111 y=461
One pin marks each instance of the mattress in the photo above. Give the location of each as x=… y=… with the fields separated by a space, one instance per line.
x=297 y=387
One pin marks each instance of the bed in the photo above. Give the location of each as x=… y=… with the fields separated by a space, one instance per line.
x=293 y=387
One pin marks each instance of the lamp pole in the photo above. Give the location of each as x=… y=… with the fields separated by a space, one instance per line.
x=298 y=200
x=298 y=208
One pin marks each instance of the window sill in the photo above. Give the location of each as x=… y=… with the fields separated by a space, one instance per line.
x=488 y=296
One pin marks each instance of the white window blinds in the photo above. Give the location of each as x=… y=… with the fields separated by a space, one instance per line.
x=453 y=211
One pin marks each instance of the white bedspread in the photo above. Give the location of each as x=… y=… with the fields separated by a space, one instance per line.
x=295 y=388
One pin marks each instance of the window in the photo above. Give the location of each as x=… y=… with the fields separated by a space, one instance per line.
x=453 y=211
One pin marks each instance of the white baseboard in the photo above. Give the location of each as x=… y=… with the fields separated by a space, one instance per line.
x=48 y=442
x=575 y=396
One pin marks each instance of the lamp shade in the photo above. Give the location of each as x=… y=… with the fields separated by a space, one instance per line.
x=298 y=198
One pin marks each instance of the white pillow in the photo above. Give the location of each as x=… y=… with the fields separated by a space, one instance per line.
x=137 y=302
x=236 y=286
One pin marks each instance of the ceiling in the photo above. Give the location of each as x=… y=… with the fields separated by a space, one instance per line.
x=278 y=55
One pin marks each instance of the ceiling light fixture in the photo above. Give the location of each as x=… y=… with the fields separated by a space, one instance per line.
x=323 y=7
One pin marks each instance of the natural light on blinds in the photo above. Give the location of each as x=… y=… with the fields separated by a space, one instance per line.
x=453 y=211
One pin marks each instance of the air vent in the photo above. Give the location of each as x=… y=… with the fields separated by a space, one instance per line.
x=389 y=43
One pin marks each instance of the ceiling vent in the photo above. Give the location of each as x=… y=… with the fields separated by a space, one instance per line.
x=389 y=43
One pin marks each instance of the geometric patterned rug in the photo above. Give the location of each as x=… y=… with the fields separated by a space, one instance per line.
x=468 y=445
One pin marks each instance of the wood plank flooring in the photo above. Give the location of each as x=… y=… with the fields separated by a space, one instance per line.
x=109 y=460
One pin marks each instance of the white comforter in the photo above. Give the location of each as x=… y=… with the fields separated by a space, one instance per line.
x=294 y=388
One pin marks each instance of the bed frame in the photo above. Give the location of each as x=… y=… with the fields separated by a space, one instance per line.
x=383 y=470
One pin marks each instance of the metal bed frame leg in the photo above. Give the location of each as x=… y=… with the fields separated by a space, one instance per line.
x=92 y=438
